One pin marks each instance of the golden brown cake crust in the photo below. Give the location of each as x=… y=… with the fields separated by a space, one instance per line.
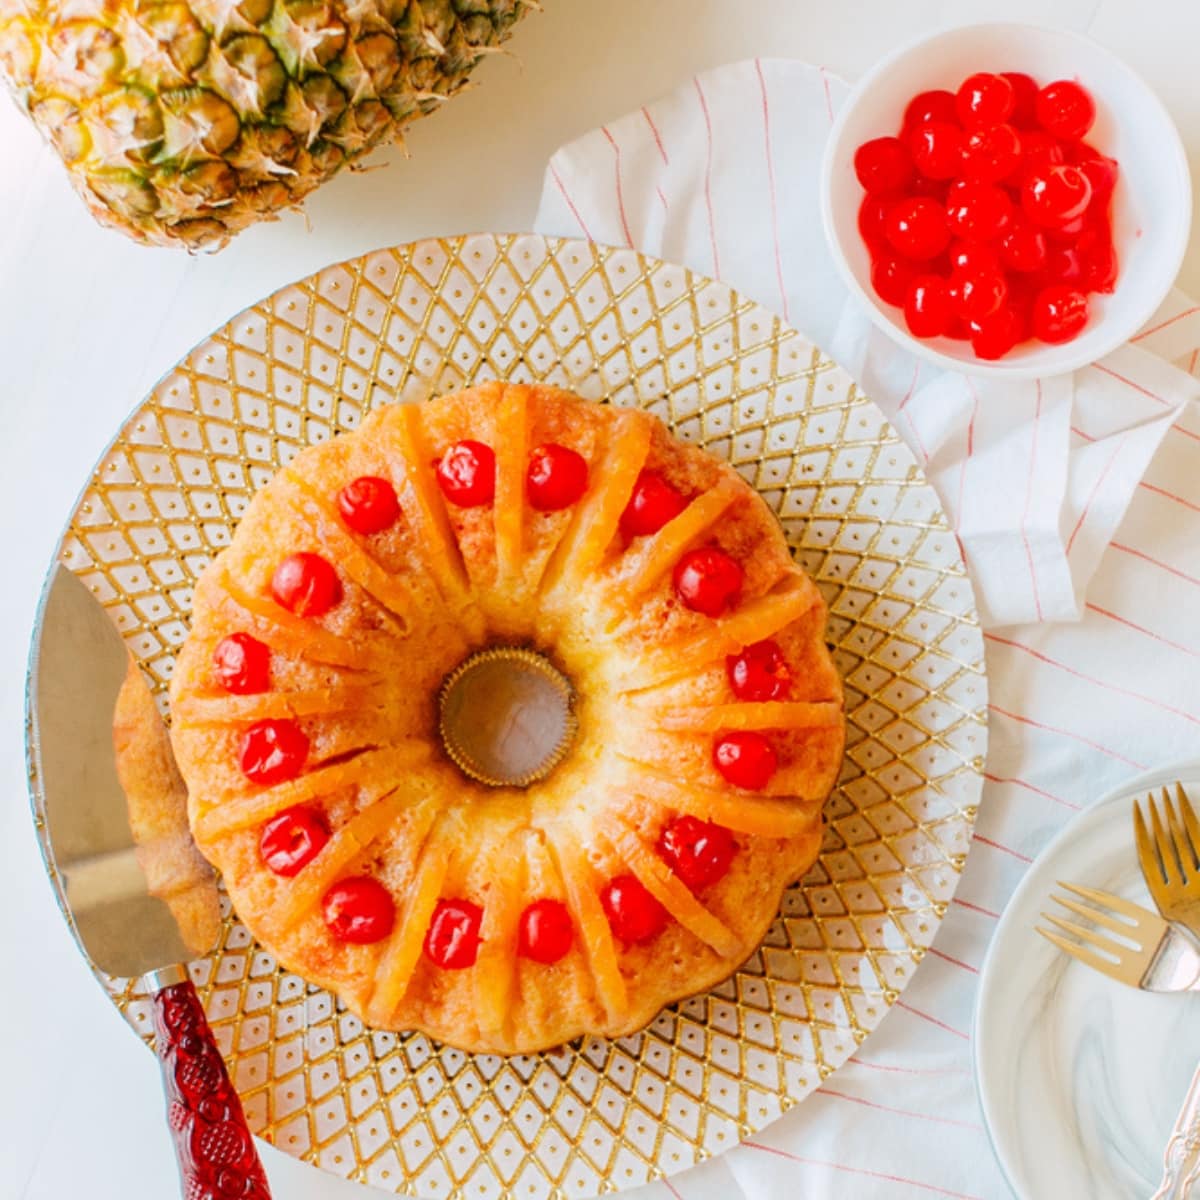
x=157 y=801
x=362 y=682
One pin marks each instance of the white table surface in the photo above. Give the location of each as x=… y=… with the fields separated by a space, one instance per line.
x=89 y=321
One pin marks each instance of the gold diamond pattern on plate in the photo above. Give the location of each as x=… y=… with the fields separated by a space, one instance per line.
x=398 y=1111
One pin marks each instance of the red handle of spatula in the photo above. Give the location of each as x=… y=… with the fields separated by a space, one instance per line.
x=214 y=1146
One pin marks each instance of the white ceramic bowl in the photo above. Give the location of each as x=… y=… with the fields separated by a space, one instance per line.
x=1152 y=205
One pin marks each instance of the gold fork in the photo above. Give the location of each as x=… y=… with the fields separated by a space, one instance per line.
x=1144 y=951
x=1170 y=859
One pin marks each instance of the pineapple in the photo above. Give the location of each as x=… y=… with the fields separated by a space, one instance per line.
x=182 y=122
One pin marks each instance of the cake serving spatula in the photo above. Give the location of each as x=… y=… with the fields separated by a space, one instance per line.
x=140 y=899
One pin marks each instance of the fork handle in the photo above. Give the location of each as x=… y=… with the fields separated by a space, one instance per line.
x=1181 y=1159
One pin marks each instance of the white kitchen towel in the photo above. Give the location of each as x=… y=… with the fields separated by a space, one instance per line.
x=721 y=175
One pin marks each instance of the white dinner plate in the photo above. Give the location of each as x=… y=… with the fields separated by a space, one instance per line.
x=1080 y=1078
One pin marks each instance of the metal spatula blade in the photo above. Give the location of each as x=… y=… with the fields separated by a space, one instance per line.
x=141 y=899
x=80 y=665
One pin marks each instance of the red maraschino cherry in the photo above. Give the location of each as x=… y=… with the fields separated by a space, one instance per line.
x=891 y=277
x=368 y=504
x=978 y=293
x=557 y=476
x=242 y=664
x=985 y=99
x=545 y=931
x=883 y=165
x=290 y=840
x=273 y=751
x=1056 y=196
x=973 y=256
x=466 y=473
x=652 y=504
x=992 y=153
x=997 y=333
x=917 y=228
x=708 y=580
x=452 y=940
x=930 y=106
x=1101 y=171
x=1023 y=247
x=634 y=915
x=928 y=307
x=1025 y=90
x=746 y=759
x=872 y=221
x=936 y=149
x=759 y=673
x=306 y=584
x=359 y=910
x=977 y=211
x=1059 y=314
x=1065 y=110
x=699 y=852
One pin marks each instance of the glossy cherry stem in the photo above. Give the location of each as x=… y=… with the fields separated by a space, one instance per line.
x=213 y=1145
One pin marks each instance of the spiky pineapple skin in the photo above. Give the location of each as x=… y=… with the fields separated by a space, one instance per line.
x=182 y=122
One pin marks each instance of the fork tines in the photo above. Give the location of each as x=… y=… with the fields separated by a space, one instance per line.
x=1171 y=857
x=1126 y=956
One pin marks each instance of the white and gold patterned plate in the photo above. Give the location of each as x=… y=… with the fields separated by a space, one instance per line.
x=398 y=1111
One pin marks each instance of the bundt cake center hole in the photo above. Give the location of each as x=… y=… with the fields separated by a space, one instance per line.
x=507 y=716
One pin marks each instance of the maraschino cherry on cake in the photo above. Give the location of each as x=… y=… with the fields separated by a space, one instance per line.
x=646 y=858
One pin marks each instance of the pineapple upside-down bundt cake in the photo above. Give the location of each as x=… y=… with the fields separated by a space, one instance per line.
x=647 y=861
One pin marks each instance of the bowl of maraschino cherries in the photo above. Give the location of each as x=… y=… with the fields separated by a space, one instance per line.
x=1006 y=200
